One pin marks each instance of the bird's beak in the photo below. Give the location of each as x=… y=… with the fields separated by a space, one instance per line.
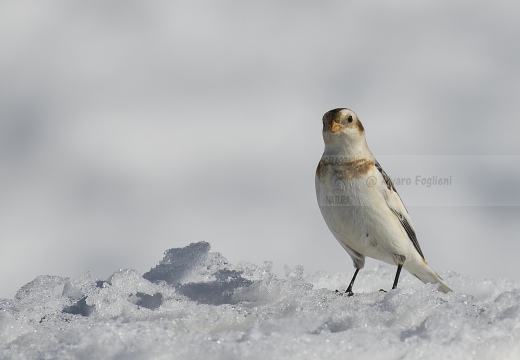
x=335 y=127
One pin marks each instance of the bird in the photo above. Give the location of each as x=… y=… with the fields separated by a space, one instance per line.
x=360 y=204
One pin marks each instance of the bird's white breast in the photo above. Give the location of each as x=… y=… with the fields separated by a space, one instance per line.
x=351 y=205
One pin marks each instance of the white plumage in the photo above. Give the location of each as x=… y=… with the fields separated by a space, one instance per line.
x=360 y=204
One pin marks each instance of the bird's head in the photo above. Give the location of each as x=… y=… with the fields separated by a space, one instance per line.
x=342 y=129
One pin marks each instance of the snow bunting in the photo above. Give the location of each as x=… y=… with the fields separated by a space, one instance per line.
x=360 y=204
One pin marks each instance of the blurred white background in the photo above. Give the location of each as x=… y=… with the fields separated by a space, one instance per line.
x=127 y=128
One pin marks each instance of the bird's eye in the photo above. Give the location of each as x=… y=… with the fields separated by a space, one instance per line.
x=350 y=118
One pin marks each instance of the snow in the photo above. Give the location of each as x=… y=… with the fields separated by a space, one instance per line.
x=196 y=305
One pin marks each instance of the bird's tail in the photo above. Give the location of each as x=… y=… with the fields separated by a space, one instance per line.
x=427 y=275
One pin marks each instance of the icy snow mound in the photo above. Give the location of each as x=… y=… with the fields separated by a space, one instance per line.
x=196 y=305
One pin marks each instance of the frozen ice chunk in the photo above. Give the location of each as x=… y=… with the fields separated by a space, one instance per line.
x=196 y=273
x=43 y=287
x=178 y=264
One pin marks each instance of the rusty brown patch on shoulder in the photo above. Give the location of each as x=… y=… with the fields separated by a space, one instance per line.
x=353 y=169
x=354 y=162
x=359 y=167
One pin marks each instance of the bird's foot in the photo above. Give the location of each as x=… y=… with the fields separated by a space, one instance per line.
x=381 y=290
x=347 y=292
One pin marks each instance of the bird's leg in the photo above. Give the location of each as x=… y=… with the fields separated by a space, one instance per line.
x=349 y=289
x=399 y=267
x=396 y=280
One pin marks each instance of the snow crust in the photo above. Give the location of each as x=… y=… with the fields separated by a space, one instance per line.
x=196 y=305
